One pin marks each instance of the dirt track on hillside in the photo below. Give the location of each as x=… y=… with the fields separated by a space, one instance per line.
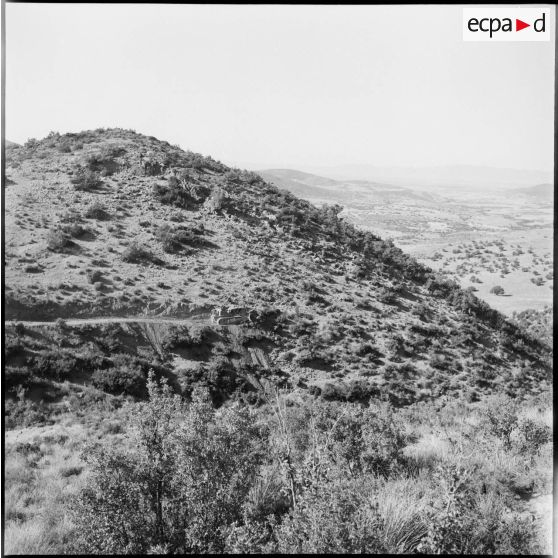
x=111 y=320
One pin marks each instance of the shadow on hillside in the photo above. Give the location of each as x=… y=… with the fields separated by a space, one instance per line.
x=71 y=248
x=87 y=236
x=407 y=295
x=203 y=243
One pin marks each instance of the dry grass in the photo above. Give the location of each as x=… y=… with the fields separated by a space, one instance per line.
x=43 y=470
x=402 y=505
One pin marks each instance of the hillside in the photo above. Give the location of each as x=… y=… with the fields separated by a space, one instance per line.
x=538 y=324
x=435 y=226
x=199 y=362
x=110 y=223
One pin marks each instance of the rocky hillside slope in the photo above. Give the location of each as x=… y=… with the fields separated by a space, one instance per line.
x=115 y=224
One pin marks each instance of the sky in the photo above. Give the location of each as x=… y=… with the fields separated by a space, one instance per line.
x=283 y=86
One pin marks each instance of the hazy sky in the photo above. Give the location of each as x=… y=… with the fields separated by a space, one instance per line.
x=283 y=85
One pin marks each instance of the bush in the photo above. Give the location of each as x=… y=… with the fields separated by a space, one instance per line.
x=179 y=488
x=104 y=160
x=180 y=194
x=462 y=521
x=54 y=364
x=23 y=412
x=57 y=240
x=497 y=290
x=172 y=239
x=65 y=147
x=534 y=435
x=74 y=229
x=126 y=378
x=97 y=211
x=500 y=416
x=217 y=200
x=135 y=253
x=86 y=180
x=31 y=143
x=330 y=517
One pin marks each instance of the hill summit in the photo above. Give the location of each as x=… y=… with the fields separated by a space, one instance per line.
x=111 y=228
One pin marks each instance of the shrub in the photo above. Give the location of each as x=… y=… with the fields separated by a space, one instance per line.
x=135 y=253
x=178 y=337
x=104 y=160
x=385 y=439
x=173 y=239
x=500 y=416
x=86 y=180
x=65 y=147
x=57 y=240
x=199 y=334
x=497 y=290
x=330 y=517
x=54 y=364
x=534 y=435
x=217 y=199
x=461 y=521
x=126 y=378
x=23 y=412
x=73 y=229
x=178 y=489
x=31 y=143
x=314 y=390
x=180 y=194
x=97 y=211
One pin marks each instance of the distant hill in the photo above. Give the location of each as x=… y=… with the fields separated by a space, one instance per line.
x=543 y=191
x=439 y=177
x=319 y=189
